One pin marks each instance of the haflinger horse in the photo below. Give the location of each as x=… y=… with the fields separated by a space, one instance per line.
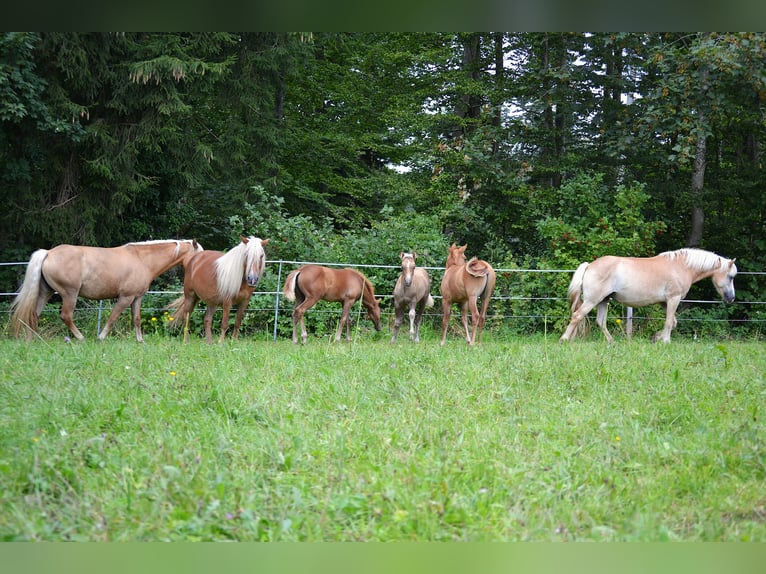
x=641 y=281
x=412 y=294
x=464 y=282
x=310 y=283
x=123 y=273
x=221 y=280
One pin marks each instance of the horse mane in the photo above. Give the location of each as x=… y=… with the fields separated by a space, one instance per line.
x=368 y=286
x=698 y=259
x=163 y=241
x=230 y=267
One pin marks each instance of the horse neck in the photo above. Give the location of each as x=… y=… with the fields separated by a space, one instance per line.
x=172 y=255
x=700 y=272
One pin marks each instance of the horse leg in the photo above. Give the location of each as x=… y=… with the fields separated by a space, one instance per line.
x=446 y=309
x=68 y=301
x=577 y=316
x=135 y=307
x=411 y=314
x=464 y=316
x=238 y=319
x=224 y=320
x=208 y=322
x=298 y=311
x=399 y=311
x=477 y=322
x=419 y=309
x=670 y=321
x=120 y=305
x=345 y=319
x=601 y=319
x=43 y=296
x=190 y=302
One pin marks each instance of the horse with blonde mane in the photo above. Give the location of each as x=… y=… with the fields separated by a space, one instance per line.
x=641 y=281
x=412 y=294
x=123 y=273
x=311 y=283
x=464 y=282
x=221 y=280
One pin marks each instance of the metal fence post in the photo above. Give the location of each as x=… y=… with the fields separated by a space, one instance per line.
x=276 y=299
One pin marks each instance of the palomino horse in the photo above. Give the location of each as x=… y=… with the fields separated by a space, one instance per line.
x=642 y=281
x=412 y=291
x=221 y=280
x=464 y=282
x=123 y=273
x=311 y=283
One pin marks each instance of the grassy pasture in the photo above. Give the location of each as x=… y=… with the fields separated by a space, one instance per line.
x=519 y=439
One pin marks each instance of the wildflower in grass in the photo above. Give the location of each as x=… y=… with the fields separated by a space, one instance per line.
x=619 y=321
x=172 y=373
x=171 y=319
x=154 y=319
x=617 y=439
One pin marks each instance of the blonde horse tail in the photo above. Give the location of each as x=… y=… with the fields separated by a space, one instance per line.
x=430 y=301
x=24 y=306
x=177 y=305
x=289 y=289
x=574 y=293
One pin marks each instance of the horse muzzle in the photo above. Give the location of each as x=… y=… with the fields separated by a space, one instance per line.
x=728 y=296
x=252 y=280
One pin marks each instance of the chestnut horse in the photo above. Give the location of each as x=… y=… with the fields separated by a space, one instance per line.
x=221 y=280
x=642 y=281
x=124 y=273
x=311 y=283
x=464 y=282
x=412 y=291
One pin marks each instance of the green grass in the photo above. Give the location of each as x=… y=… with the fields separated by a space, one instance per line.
x=519 y=439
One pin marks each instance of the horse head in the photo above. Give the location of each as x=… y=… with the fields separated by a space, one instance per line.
x=255 y=260
x=408 y=266
x=723 y=280
x=456 y=255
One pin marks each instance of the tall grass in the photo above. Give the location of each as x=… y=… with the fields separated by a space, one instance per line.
x=518 y=439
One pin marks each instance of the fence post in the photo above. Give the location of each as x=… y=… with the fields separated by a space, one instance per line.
x=276 y=299
x=629 y=322
x=98 y=321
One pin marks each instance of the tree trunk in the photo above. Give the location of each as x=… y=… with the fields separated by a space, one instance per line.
x=698 y=184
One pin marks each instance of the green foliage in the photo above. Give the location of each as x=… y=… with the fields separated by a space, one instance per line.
x=588 y=220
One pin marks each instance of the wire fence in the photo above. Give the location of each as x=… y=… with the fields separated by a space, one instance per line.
x=547 y=308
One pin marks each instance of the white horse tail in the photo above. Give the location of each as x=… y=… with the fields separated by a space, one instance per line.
x=289 y=289
x=574 y=293
x=23 y=307
x=430 y=301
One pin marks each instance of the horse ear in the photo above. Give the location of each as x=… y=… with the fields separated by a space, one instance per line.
x=401 y=255
x=414 y=254
x=244 y=239
x=264 y=241
x=732 y=262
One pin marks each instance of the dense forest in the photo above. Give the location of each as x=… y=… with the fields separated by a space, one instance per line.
x=537 y=149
